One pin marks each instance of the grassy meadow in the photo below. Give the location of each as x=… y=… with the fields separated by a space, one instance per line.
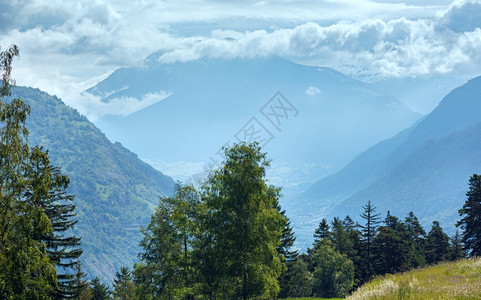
x=453 y=280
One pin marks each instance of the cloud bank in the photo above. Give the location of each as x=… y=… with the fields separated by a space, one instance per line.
x=68 y=46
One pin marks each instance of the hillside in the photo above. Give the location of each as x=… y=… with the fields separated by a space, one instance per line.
x=115 y=191
x=453 y=280
x=424 y=168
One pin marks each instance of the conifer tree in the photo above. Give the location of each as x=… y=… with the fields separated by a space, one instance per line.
x=471 y=215
x=416 y=241
x=322 y=231
x=437 y=244
x=287 y=240
x=456 y=247
x=124 y=288
x=63 y=248
x=368 y=233
x=99 y=290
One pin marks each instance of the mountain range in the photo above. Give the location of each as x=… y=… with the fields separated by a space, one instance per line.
x=424 y=169
x=315 y=120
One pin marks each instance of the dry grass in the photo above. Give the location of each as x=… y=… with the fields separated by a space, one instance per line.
x=455 y=280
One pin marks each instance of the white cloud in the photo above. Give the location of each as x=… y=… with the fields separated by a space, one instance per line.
x=67 y=45
x=313 y=91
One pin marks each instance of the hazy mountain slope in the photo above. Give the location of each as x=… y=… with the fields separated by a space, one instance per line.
x=115 y=191
x=424 y=169
x=211 y=100
x=432 y=181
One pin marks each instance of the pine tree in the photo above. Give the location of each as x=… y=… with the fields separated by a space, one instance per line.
x=437 y=244
x=391 y=249
x=416 y=240
x=368 y=233
x=99 y=290
x=471 y=215
x=287 y=240
x=322 y=231
x=62 y=248
x=124 y=288
x=287 y=254
x=456 y=247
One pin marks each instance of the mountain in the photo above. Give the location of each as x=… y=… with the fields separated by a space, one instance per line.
x=424 y=169
x=320 y=120
x=115 y=191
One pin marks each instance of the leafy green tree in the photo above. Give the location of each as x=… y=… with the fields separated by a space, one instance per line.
x=333 y=272
x=99 y=290
x=437 y=244
x=299 y=280
x=471 y=215
x=245 y=222
x=156 y=275
x=168 y=268
x=368 y=233
x=26 y=271
x=124 y=288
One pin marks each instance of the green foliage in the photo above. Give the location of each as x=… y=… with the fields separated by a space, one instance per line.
x=99 y=291
x=471 y=215
x=223 y=243
x=368 y=232
x=26 y=272
x=246 y=223
x=437 y=244
x=333 y=272
x=298 y=281
x=322 y=231
x=124 y=288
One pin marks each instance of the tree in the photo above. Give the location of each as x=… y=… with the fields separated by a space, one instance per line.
x=99 y=290
x=390 y=247
x=168 y=268
x=63 y=248
x=287 y=240
x=287 y=254
x=245 y=222
x=322 y=231
x=26 y=270
x=124 y=288
x=471 y=215
x=156 y=275
x=437 y=244
x=333 y=272
x=368 y=233
x=416 y=240
x=456 y=247
x=298 y=280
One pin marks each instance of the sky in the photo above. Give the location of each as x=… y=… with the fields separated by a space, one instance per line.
x=67 y=46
